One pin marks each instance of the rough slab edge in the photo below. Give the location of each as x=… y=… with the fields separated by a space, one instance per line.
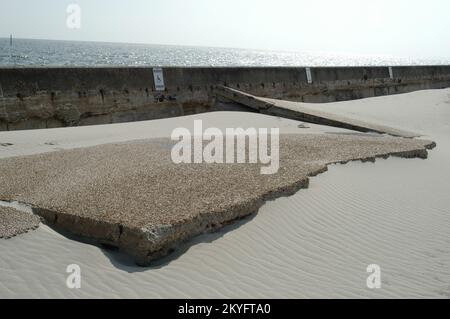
x=146 y=245
x=33 y=220
x=22 y=232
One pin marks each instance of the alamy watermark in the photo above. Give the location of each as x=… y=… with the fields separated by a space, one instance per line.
x=215 y=146
x=374 y=279
x=73 y=20
x=73 y=281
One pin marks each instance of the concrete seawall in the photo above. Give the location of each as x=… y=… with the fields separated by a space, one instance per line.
x=33 y=98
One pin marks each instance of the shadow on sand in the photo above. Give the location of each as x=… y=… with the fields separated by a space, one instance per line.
x=126 y=263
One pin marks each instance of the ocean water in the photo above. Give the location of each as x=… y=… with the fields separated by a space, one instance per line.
x=69 y=53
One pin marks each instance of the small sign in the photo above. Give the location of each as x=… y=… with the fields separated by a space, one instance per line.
x=391 y=73
x=158 y=76
x=309 y=75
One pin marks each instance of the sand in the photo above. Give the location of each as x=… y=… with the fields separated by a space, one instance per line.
x=316 y=243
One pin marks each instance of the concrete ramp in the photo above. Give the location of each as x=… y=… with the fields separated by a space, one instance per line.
x=296 y=111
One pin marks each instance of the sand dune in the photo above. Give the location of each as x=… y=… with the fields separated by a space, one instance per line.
x=317 y=243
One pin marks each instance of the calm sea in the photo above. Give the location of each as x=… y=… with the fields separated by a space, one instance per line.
x=68 y=53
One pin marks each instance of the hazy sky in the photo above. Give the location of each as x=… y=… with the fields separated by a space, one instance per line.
x=408 y=28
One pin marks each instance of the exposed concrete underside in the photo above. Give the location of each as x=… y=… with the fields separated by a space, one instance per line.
x=297 y=111
x=131 y=195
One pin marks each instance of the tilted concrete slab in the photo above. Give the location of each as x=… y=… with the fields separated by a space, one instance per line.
x=297 y=111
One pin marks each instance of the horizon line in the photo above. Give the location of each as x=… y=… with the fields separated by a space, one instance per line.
x=231 y=48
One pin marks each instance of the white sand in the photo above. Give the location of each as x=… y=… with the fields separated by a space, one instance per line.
x=318 y=243
x=40 y=141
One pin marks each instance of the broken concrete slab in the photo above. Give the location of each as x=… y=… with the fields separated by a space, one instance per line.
x=14 y=222
x=132 y=196
x=297 y=111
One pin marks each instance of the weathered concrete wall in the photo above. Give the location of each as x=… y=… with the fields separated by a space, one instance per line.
x=54 y=97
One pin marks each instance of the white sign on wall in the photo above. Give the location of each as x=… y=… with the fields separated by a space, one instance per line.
x=391 y=72
x=309 y=75
x=158 y=76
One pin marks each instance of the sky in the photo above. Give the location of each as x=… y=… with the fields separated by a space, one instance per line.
x=403 y=28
